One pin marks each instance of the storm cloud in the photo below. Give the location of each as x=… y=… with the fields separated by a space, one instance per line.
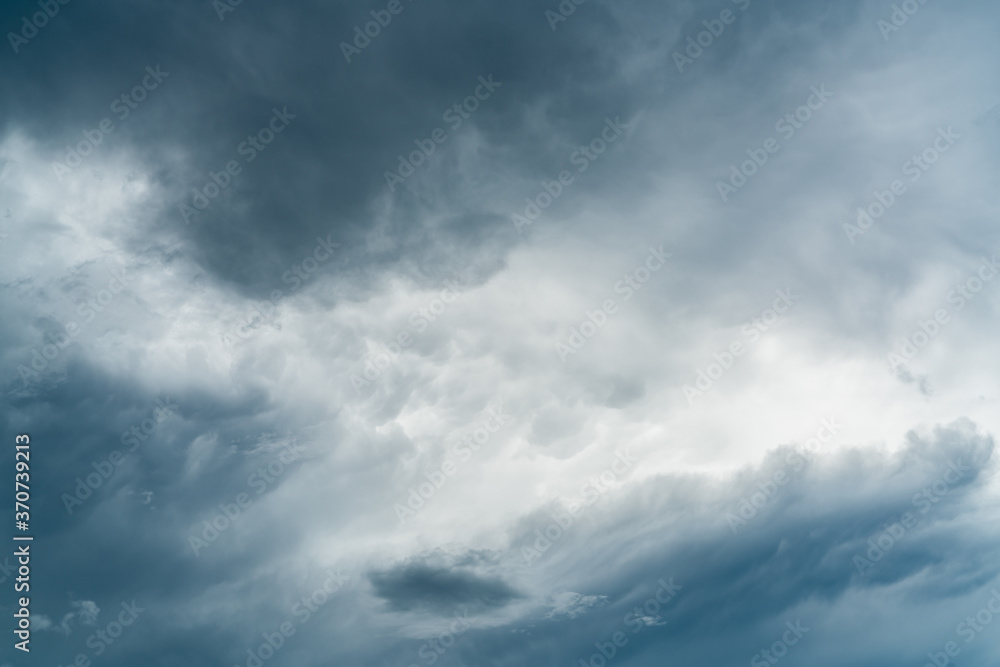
x=582 y=333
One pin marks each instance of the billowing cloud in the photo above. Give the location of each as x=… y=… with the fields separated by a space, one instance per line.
x=462 y=334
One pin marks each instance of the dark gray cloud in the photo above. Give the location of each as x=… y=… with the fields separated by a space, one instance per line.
x=324 y=174
x=421 y=585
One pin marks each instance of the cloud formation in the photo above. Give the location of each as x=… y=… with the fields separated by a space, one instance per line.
x=670 y=324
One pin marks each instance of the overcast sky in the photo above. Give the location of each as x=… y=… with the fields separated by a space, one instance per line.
x=512 y=333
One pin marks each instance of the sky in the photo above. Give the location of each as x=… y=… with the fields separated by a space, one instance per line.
x=401 y=333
